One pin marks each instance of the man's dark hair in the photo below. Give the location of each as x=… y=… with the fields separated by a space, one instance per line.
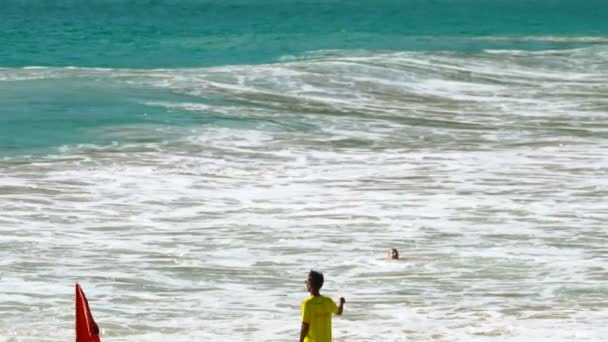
x=316 y=279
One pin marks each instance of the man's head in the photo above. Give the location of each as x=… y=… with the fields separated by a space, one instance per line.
x=315 y=281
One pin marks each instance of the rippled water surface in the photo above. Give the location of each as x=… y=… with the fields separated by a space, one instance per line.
x=199 y=215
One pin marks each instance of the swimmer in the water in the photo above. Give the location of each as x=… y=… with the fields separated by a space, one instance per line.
x=393 y=254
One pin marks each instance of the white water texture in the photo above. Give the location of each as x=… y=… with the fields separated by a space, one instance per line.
x=488 y=171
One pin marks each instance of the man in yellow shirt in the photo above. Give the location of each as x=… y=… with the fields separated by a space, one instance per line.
x=317 y=311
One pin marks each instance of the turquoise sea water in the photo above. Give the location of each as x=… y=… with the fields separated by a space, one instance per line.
x=152 y=34
x=40 y=113
x=188 y=162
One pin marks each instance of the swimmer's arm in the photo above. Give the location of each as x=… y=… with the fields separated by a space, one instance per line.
x=304 y=331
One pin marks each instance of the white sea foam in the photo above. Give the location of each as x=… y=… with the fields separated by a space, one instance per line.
x=486 y=172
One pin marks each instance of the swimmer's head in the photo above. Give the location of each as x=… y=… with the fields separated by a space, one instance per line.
x=393 y=254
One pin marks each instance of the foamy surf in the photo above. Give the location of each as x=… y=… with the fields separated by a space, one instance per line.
x=485 y=170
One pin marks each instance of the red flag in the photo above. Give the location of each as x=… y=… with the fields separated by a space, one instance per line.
x=86 y=328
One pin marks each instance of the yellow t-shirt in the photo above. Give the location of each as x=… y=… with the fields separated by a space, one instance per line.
x=317 y=312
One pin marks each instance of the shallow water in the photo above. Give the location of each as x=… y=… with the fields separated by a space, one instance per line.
x=188 y=162
x=199 y=215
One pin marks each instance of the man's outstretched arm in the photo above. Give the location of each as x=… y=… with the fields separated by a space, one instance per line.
x=304 y=331
x=341 y=306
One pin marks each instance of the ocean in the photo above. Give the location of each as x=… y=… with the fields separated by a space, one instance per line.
x=188 y=162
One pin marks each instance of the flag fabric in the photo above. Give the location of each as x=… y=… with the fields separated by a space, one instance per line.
x=86 y=328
